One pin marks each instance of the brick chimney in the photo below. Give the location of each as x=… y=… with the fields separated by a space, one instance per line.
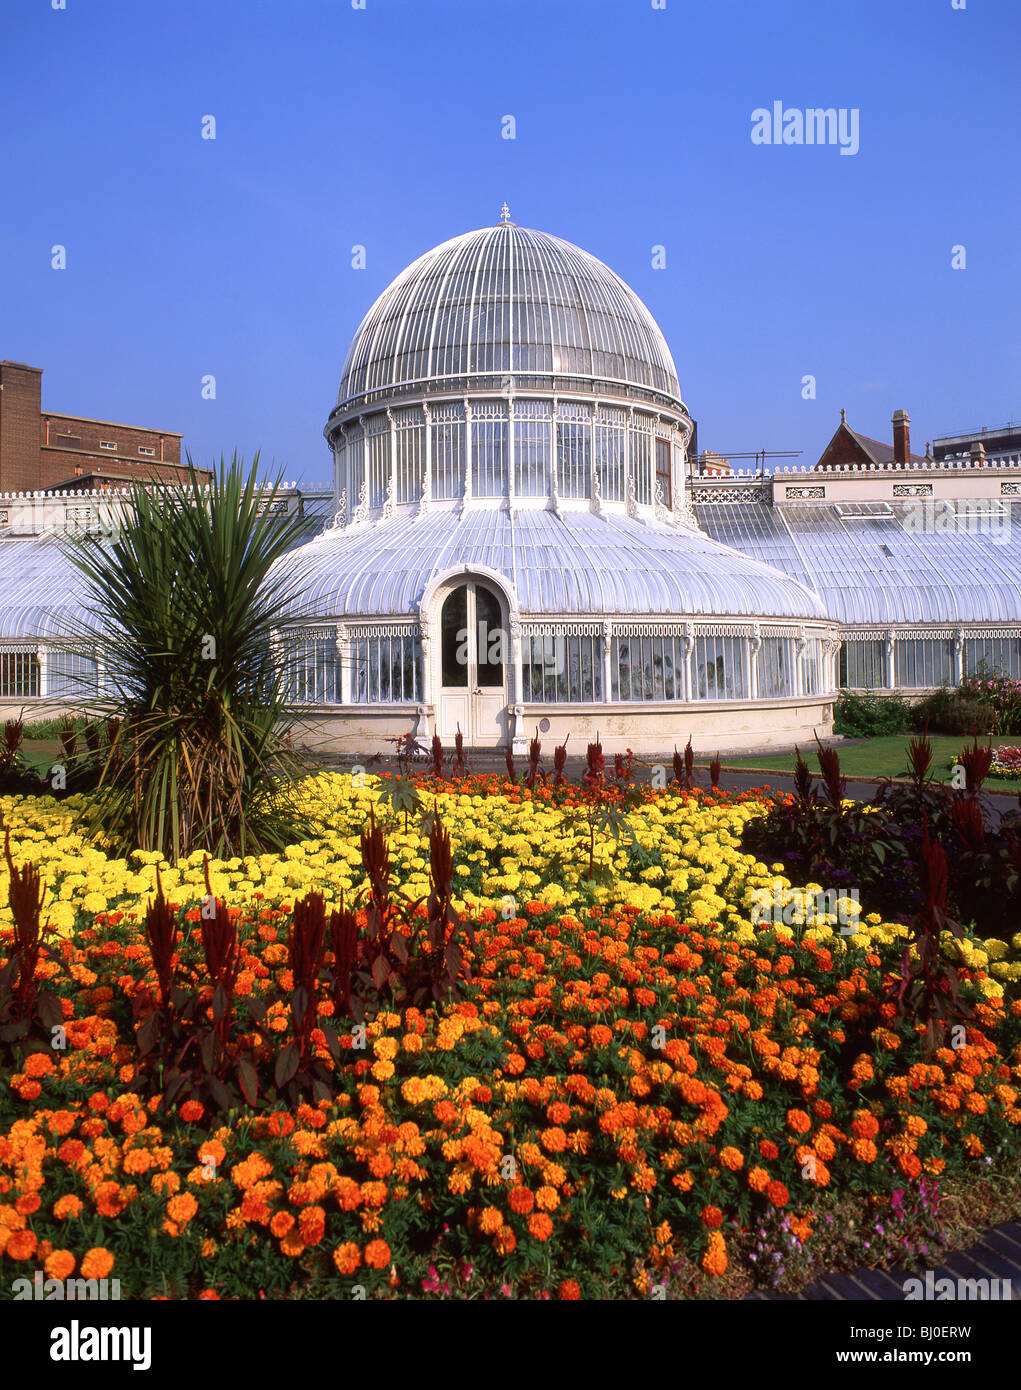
x=901 y=438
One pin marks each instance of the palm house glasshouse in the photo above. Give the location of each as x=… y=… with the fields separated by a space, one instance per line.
x=518 y=539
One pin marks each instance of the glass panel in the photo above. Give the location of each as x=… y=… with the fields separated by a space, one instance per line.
x=490 y=638
x=454 y=639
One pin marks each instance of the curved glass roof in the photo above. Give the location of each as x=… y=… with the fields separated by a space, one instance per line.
x=880 y=563
x=41 y=591
x=575 y=563
x=501 y=301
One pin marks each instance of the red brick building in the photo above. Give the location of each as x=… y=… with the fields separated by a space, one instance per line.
x=848 y=449
x=41 y=451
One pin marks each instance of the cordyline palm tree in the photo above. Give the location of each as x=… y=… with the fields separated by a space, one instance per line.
x=184 y=602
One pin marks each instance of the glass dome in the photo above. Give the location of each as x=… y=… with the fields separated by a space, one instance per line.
x=506 y=301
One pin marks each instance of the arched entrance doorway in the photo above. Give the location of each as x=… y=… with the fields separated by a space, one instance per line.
x=474 y=655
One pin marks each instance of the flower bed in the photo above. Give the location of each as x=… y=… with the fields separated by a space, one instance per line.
x=637 y=1086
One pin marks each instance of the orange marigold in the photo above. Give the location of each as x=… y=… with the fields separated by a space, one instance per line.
x=540 y=1226
x=59 y=1265
x=377 y=1254
x=569 y=1291
x=758 y=1179
x=490 y=1220
x=521 y=1200
x=96 y=1263
x=714 y=1261
x=347 y=1257
x=21 y=1245
x=66 y=1206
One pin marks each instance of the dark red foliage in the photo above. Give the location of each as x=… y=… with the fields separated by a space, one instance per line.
x=305 y=952
x=559 y=762
x=344 y=945
x=68 y=737
x=534 y=754
x=829 y=765
x=976 y=761
x=969 y=823
x=595 y=764
x=920 y=759
x=509 y=760
x=714 y=772
x=437 y=747
x=161 y=933
x=25 y=894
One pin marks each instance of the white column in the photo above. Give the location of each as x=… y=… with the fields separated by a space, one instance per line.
x=519 y=743
x=43 y=656
x=800 y=646
x=687 y=648
x=427 y=466
x=392 y=490
x=593 y=489
x=754 y=647
x=554 y=472
x=467 y=492
x=957 y=658
x=607 y=661
x=344 y=658
x=889 y=661
x=511 y=447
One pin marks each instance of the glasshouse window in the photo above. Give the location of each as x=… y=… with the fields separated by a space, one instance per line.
x=532 y=420
x=776 y=668
x=647 y=668
x=312 y=672
x=71 y=675
x=718 y=669
x=386 y=670
x=410 y=455
x=811 y=667
x=573 y=440
x=379 y=462
x=489 y=453
x=448 y=454
x=992 y=656
x=863 y=665
x=561 y=669
x=610 y=426
x=641 y=465
x=19 y=674
x=921 y=662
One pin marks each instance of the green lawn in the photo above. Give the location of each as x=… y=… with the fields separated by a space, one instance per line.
x=875 y=757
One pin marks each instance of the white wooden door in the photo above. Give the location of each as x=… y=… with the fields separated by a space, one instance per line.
x=474 y=651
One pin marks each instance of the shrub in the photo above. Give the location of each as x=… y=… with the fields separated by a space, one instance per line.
x=186 y=600
x=867 y=716
x=950 y=711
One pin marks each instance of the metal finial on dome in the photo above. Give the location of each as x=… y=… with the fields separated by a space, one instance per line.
x=505 y=217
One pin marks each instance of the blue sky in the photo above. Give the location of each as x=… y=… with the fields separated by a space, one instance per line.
x=381 y=127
